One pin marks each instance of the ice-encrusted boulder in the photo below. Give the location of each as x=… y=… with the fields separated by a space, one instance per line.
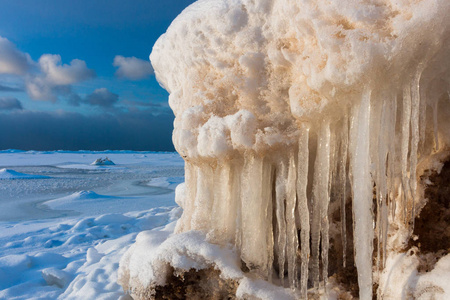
x=305 y=126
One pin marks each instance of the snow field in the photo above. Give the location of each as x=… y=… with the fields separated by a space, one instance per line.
x=63 y=233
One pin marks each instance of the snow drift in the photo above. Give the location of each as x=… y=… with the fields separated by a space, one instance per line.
x=7 y=174
x=286 y=110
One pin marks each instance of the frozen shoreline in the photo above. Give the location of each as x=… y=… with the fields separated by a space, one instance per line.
x=64 y=235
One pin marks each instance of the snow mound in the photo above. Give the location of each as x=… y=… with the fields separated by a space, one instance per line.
x=11 y=174
x=80 y=196
x=103 y=162
x=78 y=200
x=165 y=182
x=82 y=201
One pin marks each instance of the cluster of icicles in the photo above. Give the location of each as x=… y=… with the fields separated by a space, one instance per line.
x=275 y=208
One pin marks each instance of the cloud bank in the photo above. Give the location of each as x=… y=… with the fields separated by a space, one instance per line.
x=132 y=68
x=136 y=130
x=9 y=103
x=5 y=88
x=102 y=97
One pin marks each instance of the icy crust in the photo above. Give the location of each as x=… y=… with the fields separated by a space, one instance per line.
x=184 y=251
x=242 y=73
x=401 y=280
x=157 y=255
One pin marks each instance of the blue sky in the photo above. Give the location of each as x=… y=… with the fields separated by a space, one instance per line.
x=65 y=64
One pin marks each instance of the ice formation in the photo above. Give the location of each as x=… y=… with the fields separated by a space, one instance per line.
x=103 y=162
x=287 y=108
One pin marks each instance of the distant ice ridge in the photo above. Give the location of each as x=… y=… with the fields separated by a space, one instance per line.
x=285 y=111
x=6 y=174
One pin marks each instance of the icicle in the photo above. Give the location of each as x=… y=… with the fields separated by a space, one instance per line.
x=435 y=124
x=381 y=180
x=267 y=194
x=362 y=198
x=422 y=119
x=302 y=206
x=324 y=153
x=253 y=215
x=320 y=204
x=392 y=155
x=406 y=118
x=236 y=196
x=188 y=207
x=222 y=210
x=376 y=157
x=291 y=230
x=342 y=185
x=333 y=164
x=415 y=93
x=280 y=194
x=388 y=148
x=315 y=226
x=203 y=204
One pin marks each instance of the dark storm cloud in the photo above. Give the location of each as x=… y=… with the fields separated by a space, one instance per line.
x=4 y=88
x=9 y=103
x=102 y=97
x=137 y=130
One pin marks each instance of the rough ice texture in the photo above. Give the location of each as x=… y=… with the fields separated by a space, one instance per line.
x=182 y=256
x=261 y=89
x=241 y=74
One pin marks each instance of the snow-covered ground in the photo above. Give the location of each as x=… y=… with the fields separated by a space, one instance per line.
x=65 y=224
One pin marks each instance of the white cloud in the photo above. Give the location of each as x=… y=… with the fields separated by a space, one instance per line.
x=12 y=61
x=55 y=77
x=57 y=73
x=132 y=68
x=44 y=80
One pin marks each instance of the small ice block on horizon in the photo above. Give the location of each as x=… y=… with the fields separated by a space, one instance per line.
x=103 y=162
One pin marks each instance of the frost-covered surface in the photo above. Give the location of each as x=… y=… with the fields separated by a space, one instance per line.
x=62 y=236
x=401 y=279
x=287 y=111
x=150 y=259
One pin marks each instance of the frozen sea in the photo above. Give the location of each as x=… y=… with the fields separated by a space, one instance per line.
x=65 y=223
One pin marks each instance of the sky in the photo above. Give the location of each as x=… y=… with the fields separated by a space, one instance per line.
x=76 y=75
